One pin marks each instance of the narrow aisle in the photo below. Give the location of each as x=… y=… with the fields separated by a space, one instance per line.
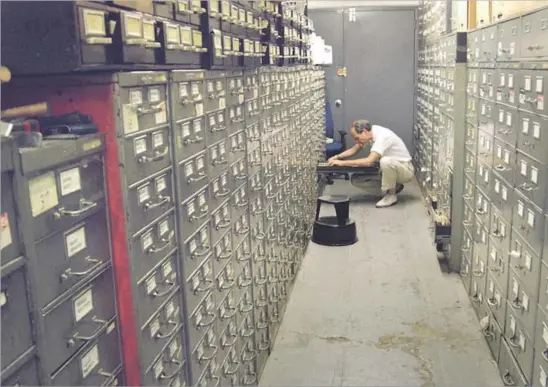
x=380 y=312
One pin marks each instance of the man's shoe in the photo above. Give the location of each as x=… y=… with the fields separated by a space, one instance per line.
x=399 y=188
x=387 y=201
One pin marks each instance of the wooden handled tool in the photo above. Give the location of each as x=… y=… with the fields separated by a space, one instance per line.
x=38 y=109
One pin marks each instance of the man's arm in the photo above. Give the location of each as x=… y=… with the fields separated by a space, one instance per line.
x=363 y=162
x=348 y=153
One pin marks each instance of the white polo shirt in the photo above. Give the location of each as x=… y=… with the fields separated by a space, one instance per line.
x=388 y=144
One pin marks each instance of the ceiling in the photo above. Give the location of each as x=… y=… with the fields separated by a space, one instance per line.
x=317 y=4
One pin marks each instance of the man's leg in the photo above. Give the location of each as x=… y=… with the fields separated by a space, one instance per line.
x=394 y=174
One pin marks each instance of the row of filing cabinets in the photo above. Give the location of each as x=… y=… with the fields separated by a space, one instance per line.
x=58 y=293
x=96 y=35
x=208 y=215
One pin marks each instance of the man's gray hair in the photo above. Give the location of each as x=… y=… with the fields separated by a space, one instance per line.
x=361 y=125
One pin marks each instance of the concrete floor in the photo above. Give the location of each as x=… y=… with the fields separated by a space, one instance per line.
x=380 y=312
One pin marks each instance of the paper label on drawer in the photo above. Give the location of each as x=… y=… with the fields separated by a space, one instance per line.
x=525 y=301
x=239 y=111
x=220 y=118
x=525 y=125
x=545 y=333
x=506 y=156
x=163 y=228
x=150 y=284
x=523 y=167
x=157 y=139
x=511 y=96
x=160 y=183
x=522 y=98
x=536 y=130
x=185 y=130
x=224 y=180
x=136 y=97
x=534 y=175
x=70 y=181
x=167 y=269
x=497 y=186
x=528 y=261
x=486 y=176
x=527 y=83
x=501 y=116
x=5 y=231
x=520 y=209
x=203 y=235
x=508 y=119
x=170 y=309
x=222 y=103
x=83 y=304
x=43 y=193
x=143 y=194
x=146 y=241
x=75 y=242
x=214 y=154
x=530 y=218
x=183 y=89
x=139 y=146
x=201 y=200
x=491 y=287
x=199 y=109
x=161 y=116
x=494 y=254
x=3 y=298
x=231 y=113
x=192 y=246
x=189 y=170
x=540 y=102
x=539 y=84
x=510 y=81
x=111 y=327
x=522 y=341
x=499 y=152
x=498 y=298
x=515 y=287
x=542 y=377
x=512 y=325
x=158 y=369
x=190 y=208
x=505 y=194
x=195 y=89
x=197 y=125
x=89 y=361
x=154 y=328
x=502 y=229
x=173 y=350
x=200 y=163
x=153 y=94
x=502 y=80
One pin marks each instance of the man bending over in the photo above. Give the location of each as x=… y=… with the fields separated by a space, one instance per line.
x=389 y=149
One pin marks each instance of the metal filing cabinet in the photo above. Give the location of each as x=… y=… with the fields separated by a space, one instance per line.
x=502 y=239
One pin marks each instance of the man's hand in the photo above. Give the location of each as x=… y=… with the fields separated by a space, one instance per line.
x=334 y=162
x=336 y=157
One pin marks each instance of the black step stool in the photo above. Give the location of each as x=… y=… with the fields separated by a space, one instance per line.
x=337 y=230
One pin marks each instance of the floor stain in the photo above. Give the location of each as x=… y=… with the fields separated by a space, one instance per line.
x=335 y=339
x=412 y=344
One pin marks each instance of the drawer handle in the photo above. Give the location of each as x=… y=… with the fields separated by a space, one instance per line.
x=227 y=344
x=196 y=140
x=512 y=342
x=222 y=194
x=170 y=333
x=179 y=365
x=264 y=324
x=153 y=109
x=69 y=273
x=244 y=257
x=272 y=238
x=257 y=188
x=85 y=206
x=260 y=281
x=77 y=336
x=105 y=374
x=225 y=255
x=526 y=187
x=240 y=177
x=163 y=200
x=501 y=168
x=225 y=286
x=248 y=332
x=213 y=354
x=241 y=148
x=158 y=155
x=488 y=333
x=225 y=224
x=204 y=212
x=492 y=302
x=226 y=370
x=217 y=380
x=266 y=346
x=220 y=161
x=167 y=242
x=244 y=283
x=219 y=129
x=259 y=258
x=246 y=310
x=200 y=177
x=242 y=204
x=248 y=359
x=516 y=304
x=98 y=40
x=170 y=285
x=260 y=236
x=497 y=234
x=200 y=254
x=237 y=121
x=208 y=287
x=242 y=231
x=545 y=354
x=209 y=323
x=272 y=217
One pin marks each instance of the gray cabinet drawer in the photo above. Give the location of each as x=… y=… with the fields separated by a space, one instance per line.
x=187 y=91
x=27 y=375
x=543 y=287
x=534 y=34
x=222 y=251
x=528 y=222
x=218 y=157
x=509 y=368
x=244 y=280
x=506 y=124
x=15 y=314
x=236 y=118
x=192 y=175
x=533 y=91
x=215 y=92
x=507 y=84
x=199 y=284
x=238 y=173
x=237 y=143
x=235 y=89
x=522 y=303
x=217 y=126
x=149 y=199
x=500 y=229
x=239 y=201
x=242 y=253
x=533 y=130
x=495 y=298
x=220 y=189
x=525 y=262
x=154 y=289
x=228 y=371
x=195 y=211
x=221 y=220
x=159 y=330
x=196 y=248
x=145 y=153
x=541 y=350
x=168 y=369
x=501 y=194
x=201 y=320
x=508 y=40
x=74 y=191
x=521 y=343
x=10 y=246
x=72 y=257
x=94 y=364
x=190 y=137
x=143 y=107
x=153 y=243
x=79 y=320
